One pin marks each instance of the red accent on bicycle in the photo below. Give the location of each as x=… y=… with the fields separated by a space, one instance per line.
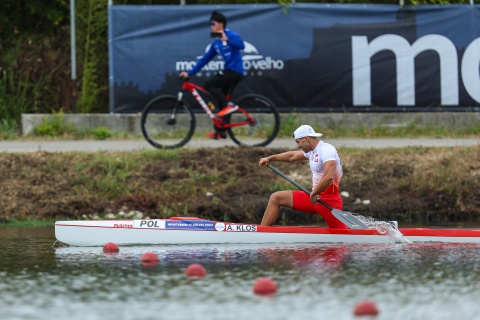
x=168 y=121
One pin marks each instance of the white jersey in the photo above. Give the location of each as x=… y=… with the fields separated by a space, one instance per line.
x=322 y=153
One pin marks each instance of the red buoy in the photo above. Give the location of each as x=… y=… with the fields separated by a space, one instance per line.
x=110 y=247
x=366 y=308
x=195 y=270
x=149 y=259
x=265 y=286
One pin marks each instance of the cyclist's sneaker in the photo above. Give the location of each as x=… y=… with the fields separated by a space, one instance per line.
x=227 y=110
x=217 y=135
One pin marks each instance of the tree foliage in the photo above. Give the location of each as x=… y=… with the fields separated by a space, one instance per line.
x=91 y=19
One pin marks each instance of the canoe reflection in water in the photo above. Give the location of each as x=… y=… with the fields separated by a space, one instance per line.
x=322 y=257
x=306 y=256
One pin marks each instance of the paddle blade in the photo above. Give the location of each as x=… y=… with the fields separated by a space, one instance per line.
x=349 y=220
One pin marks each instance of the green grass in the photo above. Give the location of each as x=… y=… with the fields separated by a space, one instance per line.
x=410 y=130
x=56 y=128
x=28 y=223
x=112 y=173
x=8 y=129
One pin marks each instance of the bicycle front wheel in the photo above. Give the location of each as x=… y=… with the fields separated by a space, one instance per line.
x=167 y=123
x=256 y=123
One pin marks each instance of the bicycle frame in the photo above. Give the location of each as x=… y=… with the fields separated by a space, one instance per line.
x=218 y=122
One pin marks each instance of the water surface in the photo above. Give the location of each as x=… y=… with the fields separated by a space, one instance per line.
x=407 y=281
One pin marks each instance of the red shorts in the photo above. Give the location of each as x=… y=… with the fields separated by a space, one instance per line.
x=301 y=202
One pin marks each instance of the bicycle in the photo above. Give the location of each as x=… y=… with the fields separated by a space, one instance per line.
x=168 y=121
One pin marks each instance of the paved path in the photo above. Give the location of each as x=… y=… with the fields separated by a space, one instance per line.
x=131 y=145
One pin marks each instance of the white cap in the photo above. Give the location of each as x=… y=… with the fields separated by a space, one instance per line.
x=305 y=131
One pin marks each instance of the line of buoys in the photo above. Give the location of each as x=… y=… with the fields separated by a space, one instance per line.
x=263 y=286
x=365 y=308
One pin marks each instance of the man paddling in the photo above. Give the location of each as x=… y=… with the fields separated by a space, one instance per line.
x=326 y=174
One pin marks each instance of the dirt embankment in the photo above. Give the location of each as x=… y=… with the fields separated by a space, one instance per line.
x=411 y=184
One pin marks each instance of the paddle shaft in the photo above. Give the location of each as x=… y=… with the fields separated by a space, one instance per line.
x=280 y=173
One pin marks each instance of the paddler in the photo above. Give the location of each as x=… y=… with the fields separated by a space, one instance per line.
x=326 y=174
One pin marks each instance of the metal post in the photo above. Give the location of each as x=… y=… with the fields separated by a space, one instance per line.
x=401 y=3
x=73 y=54
x=110 y=63
x=182 y=2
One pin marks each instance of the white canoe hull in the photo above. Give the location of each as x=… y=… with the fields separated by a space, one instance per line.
x=196 y=231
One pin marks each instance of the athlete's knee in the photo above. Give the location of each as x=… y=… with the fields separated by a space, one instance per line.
x=274 y=198
x=280 y=198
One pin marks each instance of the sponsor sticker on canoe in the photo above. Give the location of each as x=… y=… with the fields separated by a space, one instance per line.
x=149 y=224
x=122 y=225
x=190 y=225
x=241 y=228
x=220 y=226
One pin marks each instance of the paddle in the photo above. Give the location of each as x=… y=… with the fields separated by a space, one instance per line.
x=345 y=217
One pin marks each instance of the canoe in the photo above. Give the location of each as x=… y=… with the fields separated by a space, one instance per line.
x=182 y=230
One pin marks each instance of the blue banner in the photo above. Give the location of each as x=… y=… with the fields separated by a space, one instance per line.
x=200 y=225
x=306 y=57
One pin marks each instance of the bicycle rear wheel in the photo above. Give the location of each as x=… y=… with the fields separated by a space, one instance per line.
x=167 y=123
x=262 y=129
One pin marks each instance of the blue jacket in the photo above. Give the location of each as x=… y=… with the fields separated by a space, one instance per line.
x=229 y=50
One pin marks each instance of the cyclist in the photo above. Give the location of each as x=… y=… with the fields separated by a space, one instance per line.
x=228 y=44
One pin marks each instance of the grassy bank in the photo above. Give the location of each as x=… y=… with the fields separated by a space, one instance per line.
x=408 y=184
x=30 y=223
